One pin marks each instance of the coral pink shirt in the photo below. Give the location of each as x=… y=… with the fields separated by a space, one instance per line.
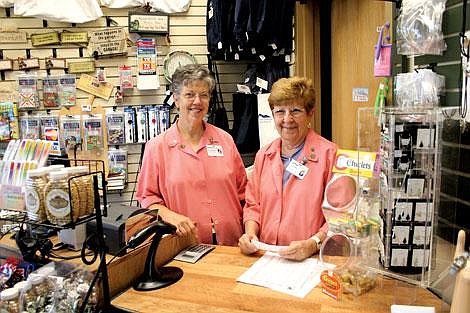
x=195 y=184
x=293 y=211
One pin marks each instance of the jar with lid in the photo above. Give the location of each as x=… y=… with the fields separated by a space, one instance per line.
x=77 y=192
x=34 y=194
x=26 y=295
x=57 y=201
x=10 y=300
x=87 y=181
x=40 y=289
x=55 y=167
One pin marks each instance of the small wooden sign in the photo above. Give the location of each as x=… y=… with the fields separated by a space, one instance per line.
x=91 y=85
x=12 y=36
x=102 y=49
x=108 y=42
x=108 y=34
x=25 y=64
x=81 y=67
x=6 y=65
x=74 y=37
x=155 y=23
x=45 y=39
x=55 y=63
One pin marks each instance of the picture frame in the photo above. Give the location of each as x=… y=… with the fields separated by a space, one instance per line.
x=149 y=23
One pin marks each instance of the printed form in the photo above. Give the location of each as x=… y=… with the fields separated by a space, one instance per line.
x=291 y=277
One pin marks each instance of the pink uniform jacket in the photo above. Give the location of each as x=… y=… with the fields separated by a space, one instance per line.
x=292 y=212
x=195 y=184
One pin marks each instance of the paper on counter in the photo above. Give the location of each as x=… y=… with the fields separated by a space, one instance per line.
x=267 y=247
x=395 y=308
x=280 y=274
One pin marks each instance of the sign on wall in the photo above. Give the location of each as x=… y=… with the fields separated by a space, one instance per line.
x=108 y=42
x=156 y=23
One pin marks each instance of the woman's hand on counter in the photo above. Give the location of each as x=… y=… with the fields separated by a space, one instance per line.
x=299 y=250
x=246 y=247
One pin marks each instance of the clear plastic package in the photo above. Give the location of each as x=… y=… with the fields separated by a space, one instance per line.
x=30 y=127
x=93 y=132
x=50 y=91
x=419 y=28
x=115 y=124
x=67 y=90
x=117 y=159
x=28 y=97
x=70 y=131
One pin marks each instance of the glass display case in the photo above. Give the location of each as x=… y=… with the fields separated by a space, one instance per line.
x=406 y=187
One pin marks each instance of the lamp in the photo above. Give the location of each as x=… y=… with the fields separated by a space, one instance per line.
x=153 y=277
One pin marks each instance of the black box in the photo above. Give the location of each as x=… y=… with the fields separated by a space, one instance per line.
x=114 y=227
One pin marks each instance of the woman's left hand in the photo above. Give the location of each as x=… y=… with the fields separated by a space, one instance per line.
x=299 y=250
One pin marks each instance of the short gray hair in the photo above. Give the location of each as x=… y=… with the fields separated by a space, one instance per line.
x=185 y=75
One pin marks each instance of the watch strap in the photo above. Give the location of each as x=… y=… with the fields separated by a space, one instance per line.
x=317 y=241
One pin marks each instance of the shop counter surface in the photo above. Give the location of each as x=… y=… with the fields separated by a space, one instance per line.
x=210 y=286
x=122 y=271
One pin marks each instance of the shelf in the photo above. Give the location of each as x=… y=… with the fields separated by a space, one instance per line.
x=22 y=218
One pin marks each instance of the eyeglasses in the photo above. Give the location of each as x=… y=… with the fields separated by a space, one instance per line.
x=294 y=112
x=191 y=96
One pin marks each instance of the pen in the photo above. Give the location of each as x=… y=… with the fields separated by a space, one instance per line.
x=214 y=235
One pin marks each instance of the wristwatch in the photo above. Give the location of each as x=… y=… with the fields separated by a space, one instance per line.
x=317 y=240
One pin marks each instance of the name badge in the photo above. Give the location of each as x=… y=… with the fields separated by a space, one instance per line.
x=215 y=150
x=297 y=169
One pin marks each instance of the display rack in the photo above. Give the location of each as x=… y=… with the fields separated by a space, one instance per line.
x=408 y=186
x=96 y=171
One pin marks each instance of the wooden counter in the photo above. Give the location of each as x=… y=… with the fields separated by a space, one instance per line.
x=210 y=286
x=122 y=271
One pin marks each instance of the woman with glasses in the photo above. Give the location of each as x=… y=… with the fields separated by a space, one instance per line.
x=285 y=191
x=193 y=172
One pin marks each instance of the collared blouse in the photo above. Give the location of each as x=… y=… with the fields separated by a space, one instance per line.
x=292 y=212
x=195 y=184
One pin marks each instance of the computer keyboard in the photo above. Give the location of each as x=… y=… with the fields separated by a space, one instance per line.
x=194 y=253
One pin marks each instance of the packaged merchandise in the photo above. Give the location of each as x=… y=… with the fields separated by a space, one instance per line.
x=142 y=125
x=164 y=118
x=115 y=125
x=8 y=121
x=125 y=77
x=67 y=90
x=117 y=159
x=70 y=131
x=153 y=121
x=130 y=121
x=35 y=185
x=93 y=132
x=28 y=97
x=57 y=199
x=50 y=131
x=50 y=91
x=30 y=126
